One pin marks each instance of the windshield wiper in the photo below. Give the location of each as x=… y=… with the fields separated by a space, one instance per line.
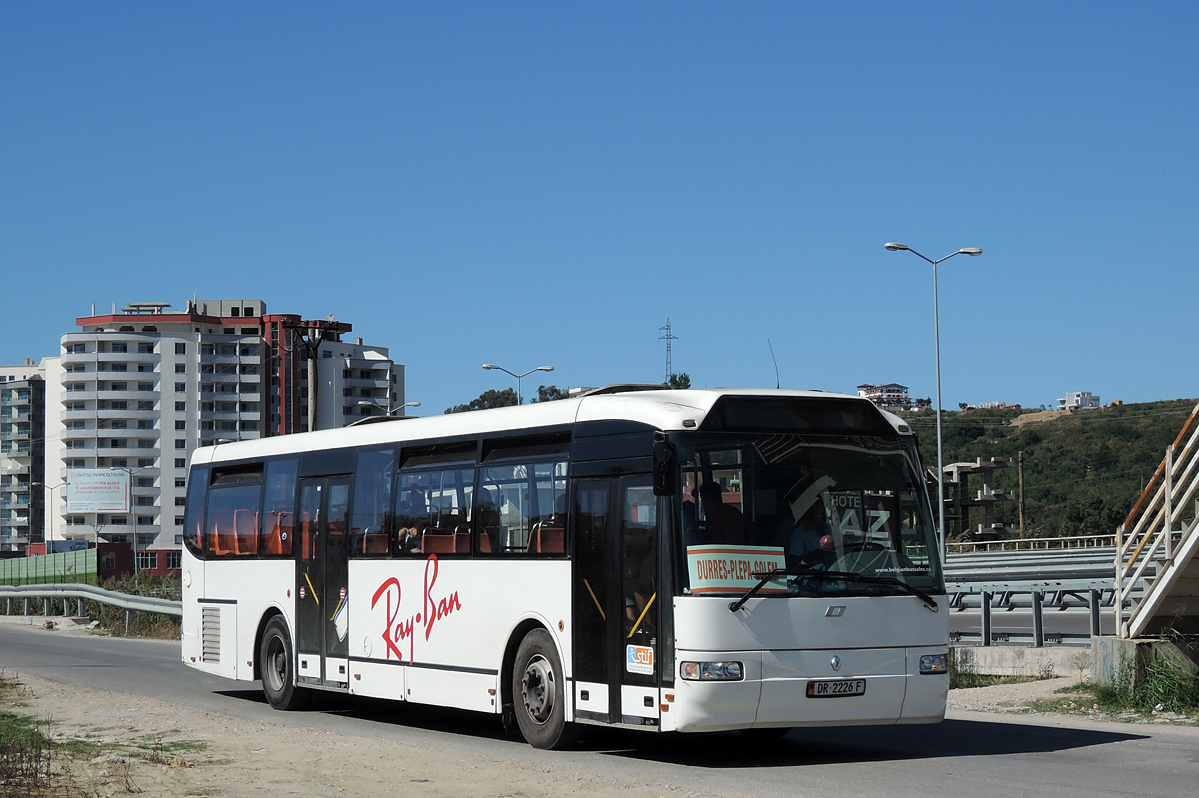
x=844 y=576
x=764 y=576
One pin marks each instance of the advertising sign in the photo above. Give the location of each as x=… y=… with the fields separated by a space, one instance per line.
x=725 y=569
x=97 y=490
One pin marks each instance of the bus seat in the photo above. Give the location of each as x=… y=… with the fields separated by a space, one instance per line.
x=374 y=543
x=306 y=537
x=221 y=540
x=275 y=542
x=548 y=540
x=462 y=542
x=437 y=543
x=245 y=531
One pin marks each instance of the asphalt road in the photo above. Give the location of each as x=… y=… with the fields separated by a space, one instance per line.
x=970 y=754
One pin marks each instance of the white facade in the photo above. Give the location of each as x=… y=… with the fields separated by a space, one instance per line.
x=1081 y=400
x=890 y=395
x=351 y=374
x=142 y=388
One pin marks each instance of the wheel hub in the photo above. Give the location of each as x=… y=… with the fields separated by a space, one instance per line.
x=537 y=689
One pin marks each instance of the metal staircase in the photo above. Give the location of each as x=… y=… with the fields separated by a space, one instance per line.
x=1161 y=531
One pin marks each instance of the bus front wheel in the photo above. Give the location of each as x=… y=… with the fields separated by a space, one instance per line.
x=277 y=663
x=539 y=693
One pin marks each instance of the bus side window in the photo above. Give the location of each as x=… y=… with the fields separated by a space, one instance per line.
x=232 y=519
x=197 y=490
x=371 y=518
x=279 y=499
x=517 y=510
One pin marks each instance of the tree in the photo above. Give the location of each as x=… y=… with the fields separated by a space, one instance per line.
x=680 y=381
x=548 y=393
x=487 y=400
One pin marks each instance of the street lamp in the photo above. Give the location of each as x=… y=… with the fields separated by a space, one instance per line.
x=386 y=412
x=894 y=247
x=132 y=509
x=490 y=366
x=49 y=534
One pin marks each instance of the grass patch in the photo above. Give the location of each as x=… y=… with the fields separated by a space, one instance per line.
x=1167 y=691
x=35 y=763
x=26 y=754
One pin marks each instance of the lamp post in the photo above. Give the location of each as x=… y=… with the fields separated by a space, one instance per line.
x=49 y=534
x=386 y=411
x=490 y=366
x=894 y=247
x=132 y=509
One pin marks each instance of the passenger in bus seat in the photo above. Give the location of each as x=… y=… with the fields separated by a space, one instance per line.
x=408 y=541
x=411 y=518
x=726 y=524
x=638 y=567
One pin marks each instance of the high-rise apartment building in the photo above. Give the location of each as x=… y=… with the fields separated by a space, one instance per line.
x=138 y=390
x=22 y=463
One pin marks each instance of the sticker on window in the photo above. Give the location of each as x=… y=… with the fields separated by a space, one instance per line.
x=723 y=569
x=640 y=659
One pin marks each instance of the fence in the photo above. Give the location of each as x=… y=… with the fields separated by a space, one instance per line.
x=63 y=566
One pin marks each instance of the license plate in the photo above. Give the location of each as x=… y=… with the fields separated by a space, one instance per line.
x=836 y=688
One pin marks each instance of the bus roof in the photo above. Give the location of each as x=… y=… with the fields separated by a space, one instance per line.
x=663 y=409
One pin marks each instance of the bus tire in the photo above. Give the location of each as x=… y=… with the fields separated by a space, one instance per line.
x=277 y=663
x=539 y=693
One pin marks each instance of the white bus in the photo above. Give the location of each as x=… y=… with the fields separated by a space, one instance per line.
x=688 y=561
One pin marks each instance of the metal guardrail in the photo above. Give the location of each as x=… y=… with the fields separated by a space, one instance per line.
x=1026 y=544
x=1075 y=579
x=81 y=593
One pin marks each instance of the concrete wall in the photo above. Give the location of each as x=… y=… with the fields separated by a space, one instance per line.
x=1119 y=661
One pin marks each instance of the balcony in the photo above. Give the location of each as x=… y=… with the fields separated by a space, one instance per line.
x=82 y=451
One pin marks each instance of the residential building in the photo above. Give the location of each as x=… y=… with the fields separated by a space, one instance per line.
x=22 y=458
x=1083 y=400
x=138 y=390
x=890 y=395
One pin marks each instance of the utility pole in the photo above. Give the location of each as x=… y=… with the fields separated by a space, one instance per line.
x=310 y=335
x=1020 y=461
x=667 y=337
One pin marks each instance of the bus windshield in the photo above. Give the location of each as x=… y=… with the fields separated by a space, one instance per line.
x=752 y=504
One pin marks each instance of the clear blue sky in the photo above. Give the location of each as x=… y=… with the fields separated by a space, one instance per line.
x=546 y=183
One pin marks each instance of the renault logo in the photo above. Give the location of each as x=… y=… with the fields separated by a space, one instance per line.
x=836 y=663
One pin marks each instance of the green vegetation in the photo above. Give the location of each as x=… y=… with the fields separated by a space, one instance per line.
x=1083 y=471
x=142 y=624
x=112 y=619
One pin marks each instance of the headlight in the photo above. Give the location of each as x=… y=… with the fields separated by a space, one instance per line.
x=711 y=671
x=934 y=663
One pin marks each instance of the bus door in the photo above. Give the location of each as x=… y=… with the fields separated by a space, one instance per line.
x=322 y=583
x=617 y=601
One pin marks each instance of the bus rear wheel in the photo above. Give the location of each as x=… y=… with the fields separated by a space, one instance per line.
x=277 y=663
x=539 y=693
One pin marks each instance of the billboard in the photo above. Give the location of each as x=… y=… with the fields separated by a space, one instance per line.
x=97 y=490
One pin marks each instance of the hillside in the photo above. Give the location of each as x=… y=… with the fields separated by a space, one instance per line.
x=1082 y=471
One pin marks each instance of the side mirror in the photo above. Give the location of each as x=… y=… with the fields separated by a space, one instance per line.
x=666 y=466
